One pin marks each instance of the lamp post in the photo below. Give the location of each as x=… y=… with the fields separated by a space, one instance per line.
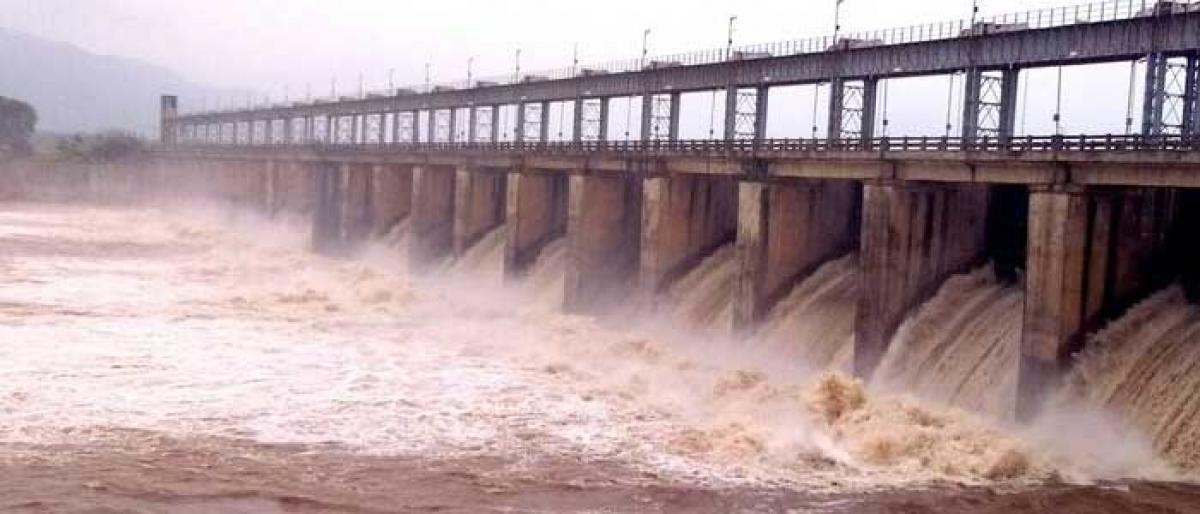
x=729 y=42
x=837 y=19
x=645 y=46
x=470 y=66
x=517 y=73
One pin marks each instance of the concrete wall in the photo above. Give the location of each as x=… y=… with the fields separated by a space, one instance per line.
x=537 y=215
x=1092 y=253
x=479 y=205
x=684 y=218
x=432 y=214
x=391 y=196
x=785 y=231
x=914 y=236
x=342 y=218
x=295 y=186
x=603 y=239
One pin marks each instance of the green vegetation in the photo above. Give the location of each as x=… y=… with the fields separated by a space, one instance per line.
x=100 y=148
x=17 y=122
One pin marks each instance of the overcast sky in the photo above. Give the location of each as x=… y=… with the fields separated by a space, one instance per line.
x=267 y=44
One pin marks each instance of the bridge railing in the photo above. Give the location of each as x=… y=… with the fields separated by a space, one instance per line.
x=1093 y=12
x=767 y=147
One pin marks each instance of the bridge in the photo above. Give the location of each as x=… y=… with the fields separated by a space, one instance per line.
x=1087 y=224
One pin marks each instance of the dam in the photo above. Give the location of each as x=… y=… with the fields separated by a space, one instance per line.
x=1086 y=226
x=1082 y=231
x=489 y=293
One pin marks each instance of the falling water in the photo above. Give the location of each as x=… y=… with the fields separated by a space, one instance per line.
x=961 y=346
x=484 y=260
x=1146 y=367
x=544 y=280
x=701 y=299
x=814 y=323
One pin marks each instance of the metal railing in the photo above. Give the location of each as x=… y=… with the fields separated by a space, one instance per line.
x=1079 y=143
x=1094 y=12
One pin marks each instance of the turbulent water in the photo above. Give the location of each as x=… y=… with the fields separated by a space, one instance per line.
x=1146 y=366
x=960 y=347
x=701 y=299
x=197 y=324
x=814 y=323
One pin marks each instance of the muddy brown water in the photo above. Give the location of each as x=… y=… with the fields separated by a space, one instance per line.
x=201 y=361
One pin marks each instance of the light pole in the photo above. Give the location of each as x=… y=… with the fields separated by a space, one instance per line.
x=837 y=20
x=391 y=80
x=729 y=43
x=645 y=46
x=428 y=82
x=470 y=75
x=1058 y=127
x=517 y=73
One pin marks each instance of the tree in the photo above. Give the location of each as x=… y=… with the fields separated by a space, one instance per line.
x=106 y=147
x=17 y=121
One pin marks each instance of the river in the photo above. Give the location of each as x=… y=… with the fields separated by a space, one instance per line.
x=197 y=360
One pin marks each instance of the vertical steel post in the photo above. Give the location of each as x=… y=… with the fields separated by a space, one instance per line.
x=577 y=121
x=472 y=120
x=431 y=127
x=519 y=132
x=496 y=123
x=869 y=108
x=837 y=93
x=673 y=128
x=1191 y=97
x=415 y=124
x=731 y=94
x=647 y=120
x=1152 y=104
x=1009 y=83
x=602 y=132
x=971 y=105
x=760 y=113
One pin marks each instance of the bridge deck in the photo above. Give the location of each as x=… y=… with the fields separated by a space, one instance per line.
x=1083 y=160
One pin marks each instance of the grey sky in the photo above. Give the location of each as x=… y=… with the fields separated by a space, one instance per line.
x=267 y=44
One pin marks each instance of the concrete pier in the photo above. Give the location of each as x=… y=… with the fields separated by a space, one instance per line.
x=432 y=214
x=342 y=218
x=684 y=218
x=603 y=240
x=785 y=230
x=1091 y=254
x=295 y=187
x=537 y=215
x=391 y=196
x=914 y=236
x=479 y=204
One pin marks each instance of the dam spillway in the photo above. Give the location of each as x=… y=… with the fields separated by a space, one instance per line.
x=1080 y=247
